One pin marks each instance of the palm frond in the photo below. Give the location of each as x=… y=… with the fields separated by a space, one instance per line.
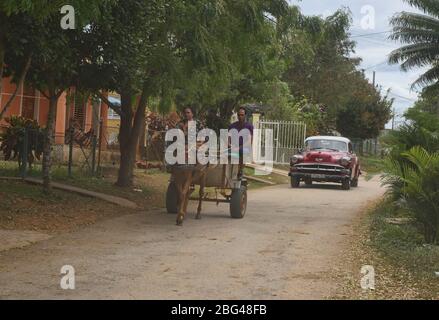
x=415 y=55
x=405 y=22
x=420 y=33
x=418 y=156
x=428 y=6
x=432 y=89
x=415 y=178
x=427 y=78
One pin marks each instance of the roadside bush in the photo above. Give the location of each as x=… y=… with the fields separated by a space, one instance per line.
x=409 y=136
x=22 y=131
x=415 y=183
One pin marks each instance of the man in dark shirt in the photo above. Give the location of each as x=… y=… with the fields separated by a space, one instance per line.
x=242 y=124
x=244 y=147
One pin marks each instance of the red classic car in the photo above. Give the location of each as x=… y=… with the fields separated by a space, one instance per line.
x=326 y=159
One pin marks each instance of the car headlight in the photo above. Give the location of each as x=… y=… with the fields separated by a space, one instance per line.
x=296 y=159
x=345 y=161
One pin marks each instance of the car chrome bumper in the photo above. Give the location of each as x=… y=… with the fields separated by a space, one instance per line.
x=320 y=172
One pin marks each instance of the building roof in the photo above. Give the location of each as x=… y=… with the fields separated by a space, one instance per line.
x=329 y=138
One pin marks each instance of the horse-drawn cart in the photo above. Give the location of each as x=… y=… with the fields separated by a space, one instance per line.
x=229 y=187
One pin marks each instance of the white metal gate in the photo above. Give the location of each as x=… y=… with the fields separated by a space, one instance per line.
x=288 y=138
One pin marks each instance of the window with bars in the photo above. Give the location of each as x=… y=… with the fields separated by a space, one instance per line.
x=79 y=111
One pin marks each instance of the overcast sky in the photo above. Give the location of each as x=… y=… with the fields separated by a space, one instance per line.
x=373 y=48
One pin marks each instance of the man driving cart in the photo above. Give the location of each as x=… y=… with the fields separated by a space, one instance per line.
x=244 y=131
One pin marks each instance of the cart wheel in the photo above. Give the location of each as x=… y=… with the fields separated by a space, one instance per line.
x=238 y=203
x=171 y=198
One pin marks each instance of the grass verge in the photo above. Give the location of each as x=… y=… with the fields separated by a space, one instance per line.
x=26 y=207
x=275 y=178
x=147 y=192
x=404 y=266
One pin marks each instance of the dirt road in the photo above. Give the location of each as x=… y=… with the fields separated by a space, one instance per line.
x=284 y=248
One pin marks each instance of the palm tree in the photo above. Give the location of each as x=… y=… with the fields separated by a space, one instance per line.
x=419 y=32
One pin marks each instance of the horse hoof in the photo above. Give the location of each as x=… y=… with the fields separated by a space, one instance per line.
x=179 y=222
x=198 y=217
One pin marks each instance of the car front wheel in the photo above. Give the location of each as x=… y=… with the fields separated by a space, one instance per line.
x=295 y=182
x=354 y=183
x=346 y=184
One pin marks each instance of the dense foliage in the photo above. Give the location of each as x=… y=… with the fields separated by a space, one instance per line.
x=22 y=138
x=416 y=182
x=412 y=172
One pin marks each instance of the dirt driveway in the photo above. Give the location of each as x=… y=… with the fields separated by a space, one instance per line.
x=284 y=248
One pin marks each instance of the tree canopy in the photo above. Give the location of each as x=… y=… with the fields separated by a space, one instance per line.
x=211 y=55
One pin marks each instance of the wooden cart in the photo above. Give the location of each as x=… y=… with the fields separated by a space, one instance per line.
x=229 y=188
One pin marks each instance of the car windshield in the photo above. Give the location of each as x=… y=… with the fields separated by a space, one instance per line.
x=325 y=144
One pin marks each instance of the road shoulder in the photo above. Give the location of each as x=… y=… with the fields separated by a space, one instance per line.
x=392 y=281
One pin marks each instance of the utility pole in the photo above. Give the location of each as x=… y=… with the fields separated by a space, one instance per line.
x=393 y=120
x=374 y=73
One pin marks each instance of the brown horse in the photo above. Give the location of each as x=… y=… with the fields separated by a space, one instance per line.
x=183 y=178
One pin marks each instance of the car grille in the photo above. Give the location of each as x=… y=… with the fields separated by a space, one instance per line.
x=315 y=167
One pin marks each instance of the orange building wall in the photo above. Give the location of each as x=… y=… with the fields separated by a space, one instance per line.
x=88 y=116
x=42 y=108
x=60 y=124
x=104 y=117
x=7 y=91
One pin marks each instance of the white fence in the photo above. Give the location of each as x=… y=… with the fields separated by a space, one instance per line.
x=288 y=138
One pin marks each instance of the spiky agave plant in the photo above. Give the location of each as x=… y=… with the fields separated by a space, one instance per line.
x=416 y=181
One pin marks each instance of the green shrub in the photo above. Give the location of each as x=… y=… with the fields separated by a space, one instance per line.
x=22 y=135
x=415 y=183
x=409 y=136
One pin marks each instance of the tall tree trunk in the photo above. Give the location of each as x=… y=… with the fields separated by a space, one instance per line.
x=124 y=138
x=126 y=120
x=129 y=133
x=48 y=141
x=142 y=140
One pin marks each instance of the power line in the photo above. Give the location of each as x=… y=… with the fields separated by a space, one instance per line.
x=369 y=34
x=402 y=97
x=377 y=65
x=380 y=42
